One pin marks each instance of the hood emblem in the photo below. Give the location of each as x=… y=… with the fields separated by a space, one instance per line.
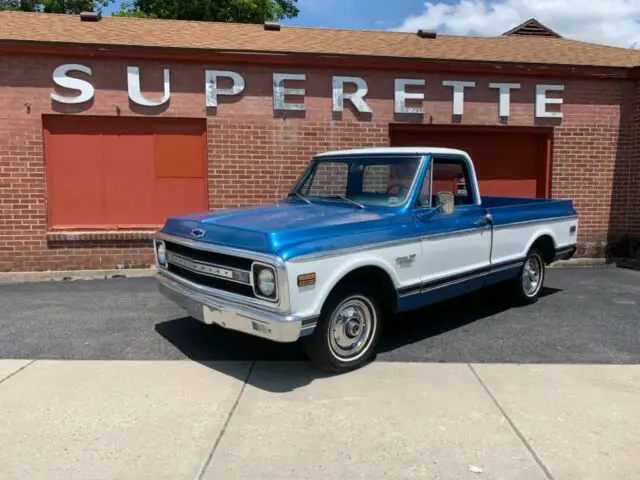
x=197 y=233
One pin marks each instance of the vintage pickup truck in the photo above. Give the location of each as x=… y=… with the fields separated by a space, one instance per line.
x=362 y=236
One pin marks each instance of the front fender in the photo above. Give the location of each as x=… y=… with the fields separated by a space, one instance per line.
x=331 y=270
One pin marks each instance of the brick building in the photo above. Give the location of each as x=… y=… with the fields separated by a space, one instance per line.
x=109 y=125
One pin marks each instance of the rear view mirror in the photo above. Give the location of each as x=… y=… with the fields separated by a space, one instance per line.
x=446 y=200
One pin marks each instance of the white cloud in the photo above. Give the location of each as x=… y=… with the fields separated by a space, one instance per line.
x=611 y=22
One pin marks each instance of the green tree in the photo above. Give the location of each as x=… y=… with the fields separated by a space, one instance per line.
x=238 y=11
x=54 y=6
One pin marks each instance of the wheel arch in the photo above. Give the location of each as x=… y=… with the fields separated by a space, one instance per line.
x=545 y=242
x=369 y=274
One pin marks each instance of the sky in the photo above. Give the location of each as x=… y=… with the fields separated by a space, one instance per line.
x=610 y=22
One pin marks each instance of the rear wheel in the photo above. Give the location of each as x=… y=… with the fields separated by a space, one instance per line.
x=526 y=287
x=348 y=331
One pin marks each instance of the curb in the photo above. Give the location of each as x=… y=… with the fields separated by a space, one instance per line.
x=588 y=262
x=74 y=275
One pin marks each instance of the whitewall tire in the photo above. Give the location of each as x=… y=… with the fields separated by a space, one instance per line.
x=348 y=330
x=526 y=287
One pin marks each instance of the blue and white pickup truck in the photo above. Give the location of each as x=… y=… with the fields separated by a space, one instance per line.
x=364 y=235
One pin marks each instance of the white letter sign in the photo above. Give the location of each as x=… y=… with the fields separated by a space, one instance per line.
x=542 y=101
x=135 y=93
x=505 y=96
x=212 y=90
x=458 y=94
x=279 y=91
x=60 y=78
x=356 y=98
x=401 y=96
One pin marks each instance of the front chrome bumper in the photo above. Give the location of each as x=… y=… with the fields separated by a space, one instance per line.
x=228 y=314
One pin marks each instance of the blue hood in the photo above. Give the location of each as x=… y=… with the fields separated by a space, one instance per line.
x=277 y=228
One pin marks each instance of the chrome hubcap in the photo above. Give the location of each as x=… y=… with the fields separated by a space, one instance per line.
x=532 y=275
x=351 y=327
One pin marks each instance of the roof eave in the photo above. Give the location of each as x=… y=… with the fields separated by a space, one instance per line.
x=269 y=57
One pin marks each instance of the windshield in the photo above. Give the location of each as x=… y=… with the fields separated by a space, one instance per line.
x=365 y=180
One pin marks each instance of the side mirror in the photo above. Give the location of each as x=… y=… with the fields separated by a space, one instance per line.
x=446 y=200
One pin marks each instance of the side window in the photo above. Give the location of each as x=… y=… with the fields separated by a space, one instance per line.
x=452 y=175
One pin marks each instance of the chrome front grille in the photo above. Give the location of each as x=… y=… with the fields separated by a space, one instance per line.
x=212 y=269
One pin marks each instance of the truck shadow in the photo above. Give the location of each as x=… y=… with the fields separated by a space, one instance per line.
x=284 y=367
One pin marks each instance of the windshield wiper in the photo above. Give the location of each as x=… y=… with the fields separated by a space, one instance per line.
x=296 y=194
x=342 y=197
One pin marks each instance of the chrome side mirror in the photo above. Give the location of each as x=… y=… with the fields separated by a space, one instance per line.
x=446 y=200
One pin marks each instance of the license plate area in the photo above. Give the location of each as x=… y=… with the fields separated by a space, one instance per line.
x=212 y=315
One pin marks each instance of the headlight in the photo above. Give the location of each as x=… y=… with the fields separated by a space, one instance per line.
x=264 y=282
x=161 y=252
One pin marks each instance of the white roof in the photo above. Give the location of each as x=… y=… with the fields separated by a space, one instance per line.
x=397 y=150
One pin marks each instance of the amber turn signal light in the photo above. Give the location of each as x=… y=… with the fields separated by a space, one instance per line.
x=306 y=279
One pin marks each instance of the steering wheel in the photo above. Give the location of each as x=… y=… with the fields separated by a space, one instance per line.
x=401 y=188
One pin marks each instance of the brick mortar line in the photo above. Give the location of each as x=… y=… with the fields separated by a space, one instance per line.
x=207 y=462
x=515 y=429
x=13 y=374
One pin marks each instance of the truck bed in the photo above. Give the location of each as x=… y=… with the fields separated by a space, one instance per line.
x=505 y=210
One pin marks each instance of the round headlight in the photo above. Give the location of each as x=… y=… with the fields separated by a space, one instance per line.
x=266 y=282
x=162 y=254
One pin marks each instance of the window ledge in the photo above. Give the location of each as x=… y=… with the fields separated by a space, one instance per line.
x=99 y=235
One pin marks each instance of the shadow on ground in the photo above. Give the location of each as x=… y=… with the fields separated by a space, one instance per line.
x=211 y=344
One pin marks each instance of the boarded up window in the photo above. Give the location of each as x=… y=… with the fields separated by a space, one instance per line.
x=119 y=172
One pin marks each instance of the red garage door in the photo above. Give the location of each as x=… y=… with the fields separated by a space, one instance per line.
x=123 y=172
x=509 y=161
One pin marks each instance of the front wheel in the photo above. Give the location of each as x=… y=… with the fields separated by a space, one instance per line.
x=348 y=331
x=527 y=285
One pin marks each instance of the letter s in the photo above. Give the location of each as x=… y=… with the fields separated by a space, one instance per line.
x=61 y=78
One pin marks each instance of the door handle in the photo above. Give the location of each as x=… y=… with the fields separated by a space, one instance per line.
x=486 y=220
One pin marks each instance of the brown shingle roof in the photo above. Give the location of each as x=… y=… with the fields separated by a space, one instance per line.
x=117 y=31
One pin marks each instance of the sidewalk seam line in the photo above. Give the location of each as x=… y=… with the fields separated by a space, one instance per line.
x=207 y=462
x=13 y=374
x=518 y=433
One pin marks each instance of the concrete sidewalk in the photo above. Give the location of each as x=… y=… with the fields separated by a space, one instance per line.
x=180 y=419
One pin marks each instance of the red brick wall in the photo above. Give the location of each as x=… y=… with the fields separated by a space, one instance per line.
x=254 y=154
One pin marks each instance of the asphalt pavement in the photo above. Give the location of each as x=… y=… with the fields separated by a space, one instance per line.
x=106 y=379
x=586 y=315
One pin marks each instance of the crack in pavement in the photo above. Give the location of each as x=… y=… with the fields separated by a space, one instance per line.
x=13 y=374
x=515 y=429
x=207 y=462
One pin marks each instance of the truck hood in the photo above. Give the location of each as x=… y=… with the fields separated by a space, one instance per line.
x=272 y=228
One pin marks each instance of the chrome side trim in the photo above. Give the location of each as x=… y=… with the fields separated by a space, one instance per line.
x=457 y=233
x=534 y=222
x=362 y=248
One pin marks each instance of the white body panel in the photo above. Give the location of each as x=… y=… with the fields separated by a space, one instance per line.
x=437 y=257
x=511 y=242
x=448 y=255
x=329 y=270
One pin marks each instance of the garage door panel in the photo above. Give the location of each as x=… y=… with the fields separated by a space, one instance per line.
x=129 y=180
x=74 y=173
x=507 y=163
x=102 y=171
x=179 y=196
x=179 y=156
